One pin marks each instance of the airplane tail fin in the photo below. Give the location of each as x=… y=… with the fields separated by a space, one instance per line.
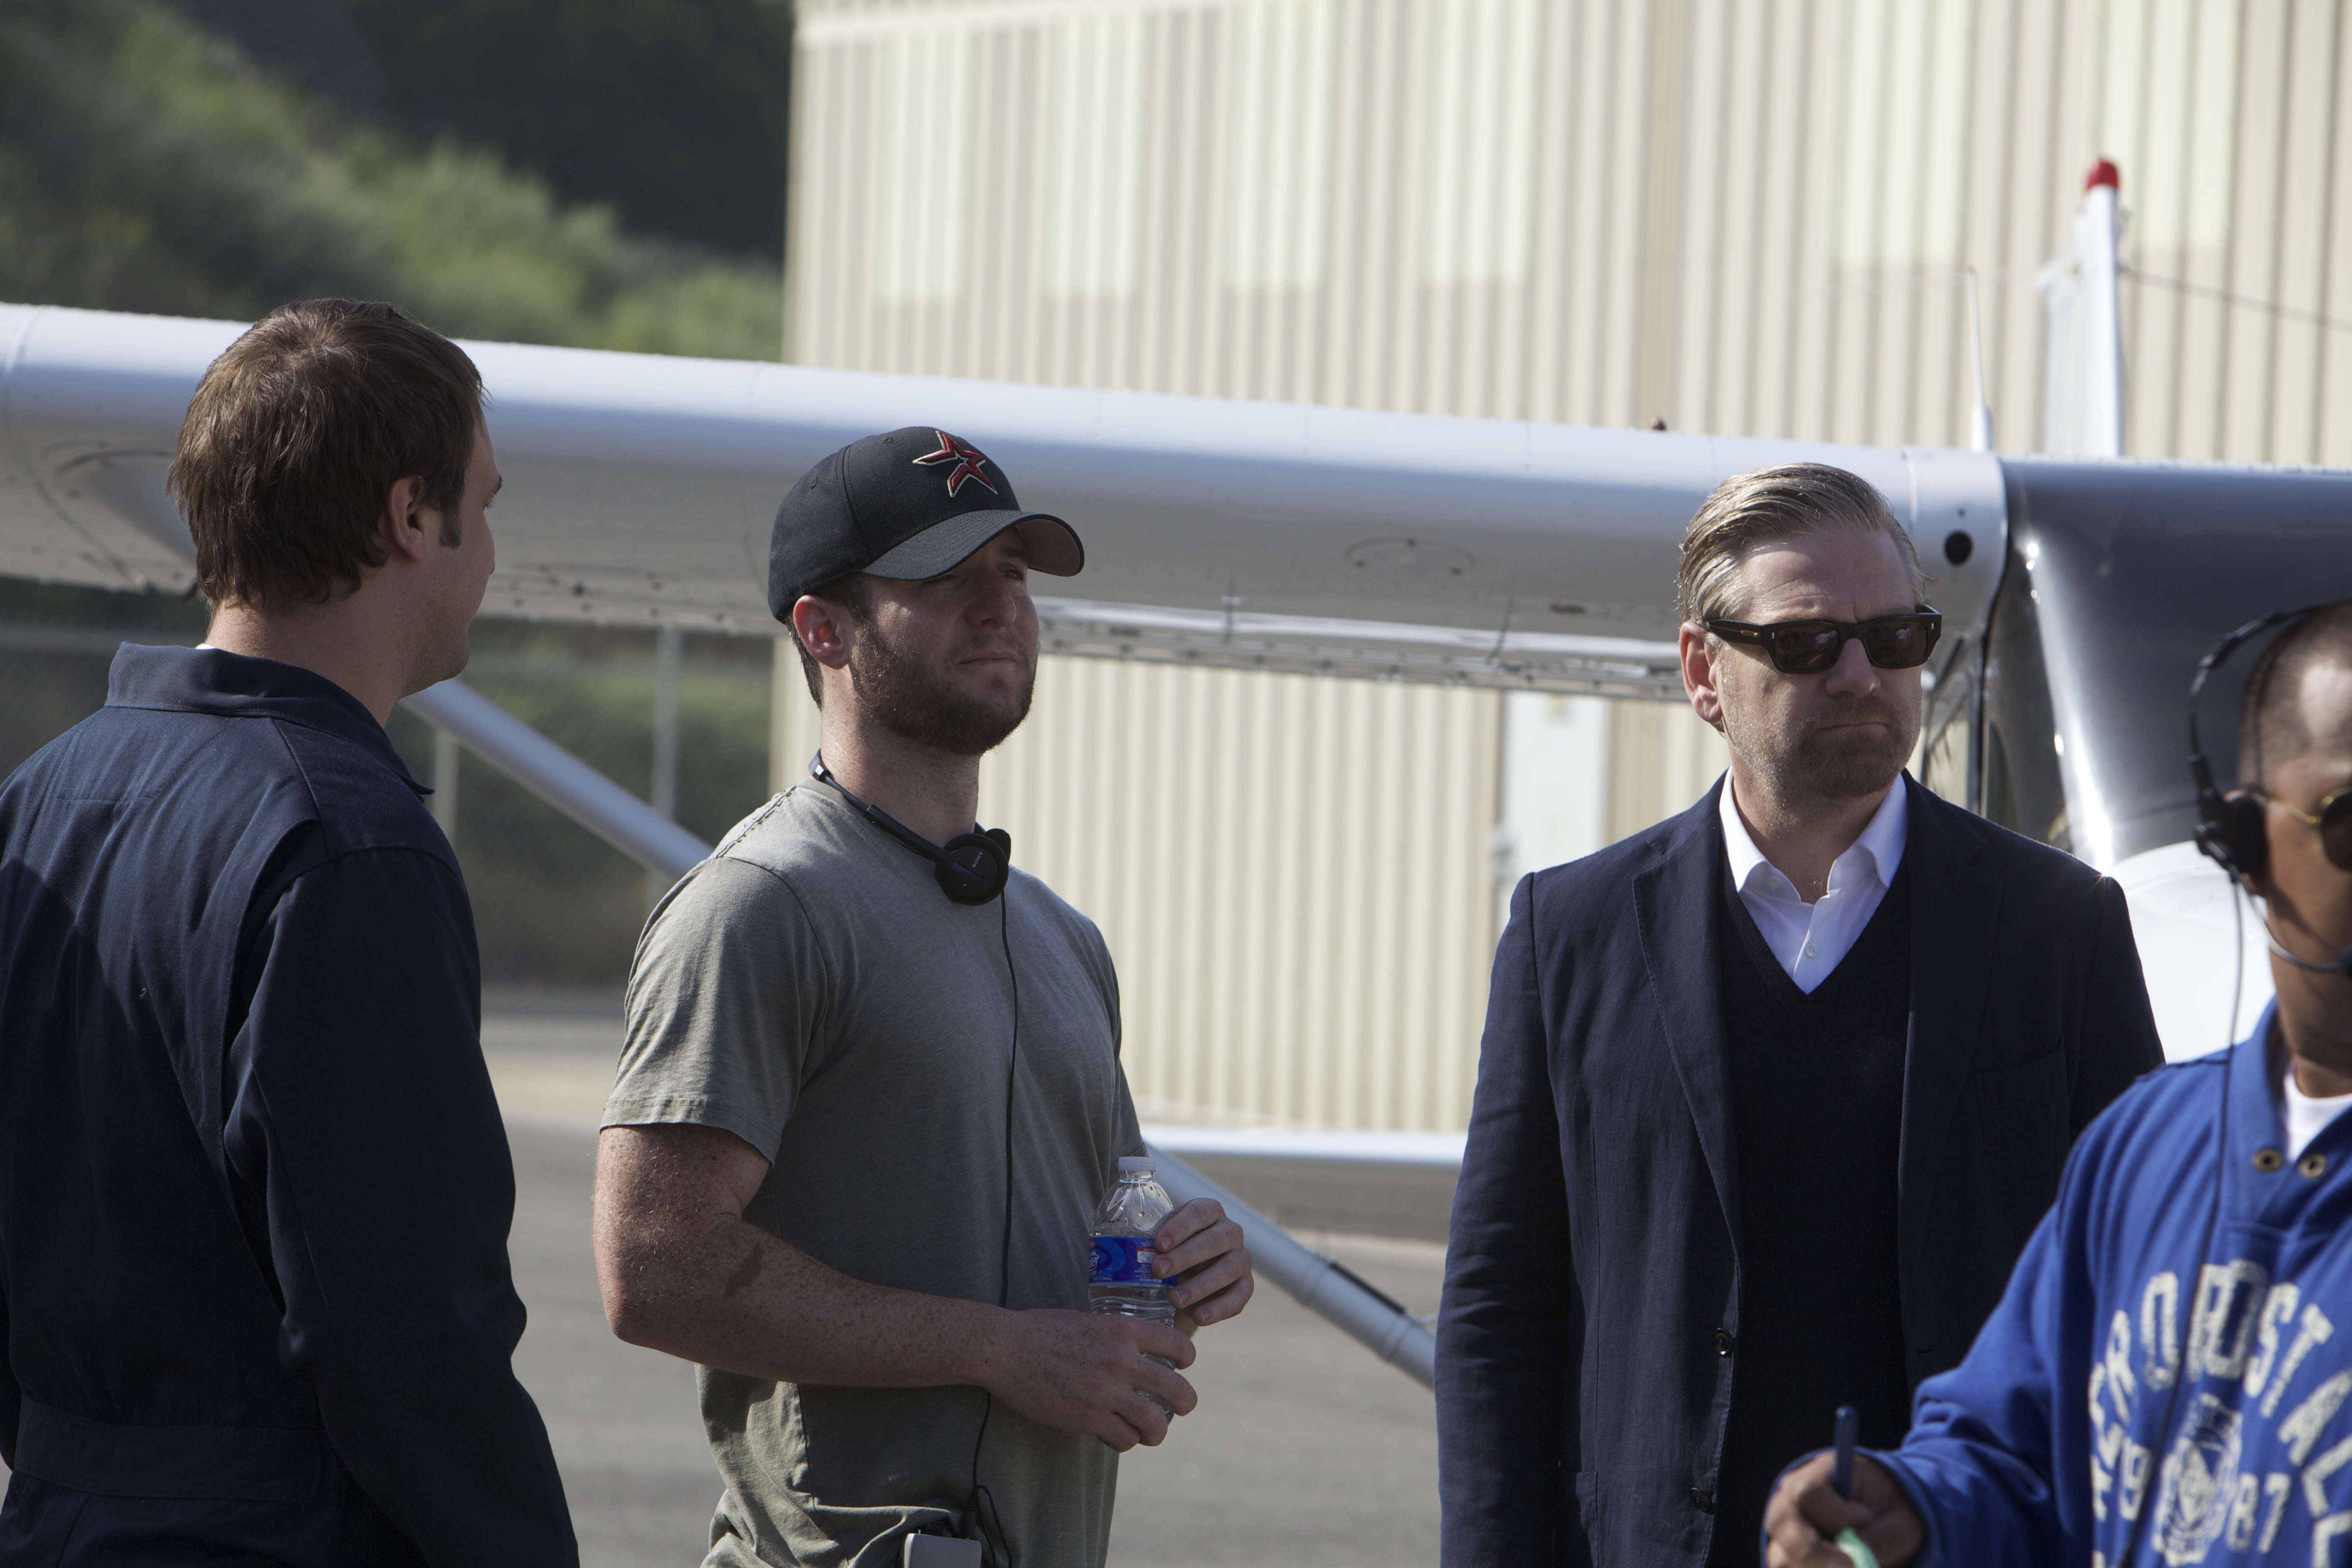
x=2082 y=374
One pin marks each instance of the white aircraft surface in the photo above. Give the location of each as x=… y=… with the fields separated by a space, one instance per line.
x=640 y=489
x=2077 y=595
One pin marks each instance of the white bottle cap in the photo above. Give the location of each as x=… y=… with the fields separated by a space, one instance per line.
x=1135 y=1162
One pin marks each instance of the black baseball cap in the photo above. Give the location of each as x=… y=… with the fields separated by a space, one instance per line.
x=908 y=505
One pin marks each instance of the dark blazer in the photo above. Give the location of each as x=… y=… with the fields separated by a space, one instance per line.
x=1584 y=1373
x=254 y=1188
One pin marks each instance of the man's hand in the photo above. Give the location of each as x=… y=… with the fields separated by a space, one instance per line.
x=1806 y=1514
x=682 y=1272
x=1199 y=1242
x=1083 y=1372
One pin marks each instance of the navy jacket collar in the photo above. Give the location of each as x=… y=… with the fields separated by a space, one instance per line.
x=232 y=686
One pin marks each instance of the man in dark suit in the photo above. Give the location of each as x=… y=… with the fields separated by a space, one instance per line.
x=253 y=1190
x=1772 y=1094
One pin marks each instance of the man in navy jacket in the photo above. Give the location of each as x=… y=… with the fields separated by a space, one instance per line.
x=1770 y=1095
x=2170 y=1375
x=254 y=1188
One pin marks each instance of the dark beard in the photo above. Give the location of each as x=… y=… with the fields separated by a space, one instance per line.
x=919 y=705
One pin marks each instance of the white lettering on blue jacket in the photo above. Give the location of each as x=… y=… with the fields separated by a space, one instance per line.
x=2169 y=1371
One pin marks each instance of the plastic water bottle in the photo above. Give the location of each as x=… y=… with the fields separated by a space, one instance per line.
x=1119 y=1281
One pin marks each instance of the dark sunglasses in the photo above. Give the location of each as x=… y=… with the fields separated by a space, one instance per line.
x=1808 y=648
x=2333 y=823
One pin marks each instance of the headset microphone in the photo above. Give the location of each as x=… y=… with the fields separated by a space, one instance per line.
x=2342 y=966
x=971 y=867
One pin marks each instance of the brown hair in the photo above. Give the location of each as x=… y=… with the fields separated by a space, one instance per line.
x=855 y=594
x=296 y=432
x=1748 y=511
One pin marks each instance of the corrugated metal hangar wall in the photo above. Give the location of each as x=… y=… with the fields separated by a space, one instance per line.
x=1748 y=216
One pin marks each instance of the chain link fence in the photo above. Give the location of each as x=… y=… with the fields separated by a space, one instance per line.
x=553 y=905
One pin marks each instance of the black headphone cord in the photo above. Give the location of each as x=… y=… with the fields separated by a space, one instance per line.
x=980 y=1493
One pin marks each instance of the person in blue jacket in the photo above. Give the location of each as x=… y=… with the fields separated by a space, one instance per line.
x=2169 y=1377
x=254 y=1188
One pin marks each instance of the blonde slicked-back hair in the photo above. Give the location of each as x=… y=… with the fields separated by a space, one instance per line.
x=1749 y=512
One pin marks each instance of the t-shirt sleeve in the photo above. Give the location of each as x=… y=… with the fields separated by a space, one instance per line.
x=1127 y=1133
x=724 y=1008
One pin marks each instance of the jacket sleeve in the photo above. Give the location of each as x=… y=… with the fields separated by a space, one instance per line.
x=11 y=1395
x=364 y=1116
x=1980 y=1464
x=2001 y=1445
x=1505 y=1387
x=2119 y=1041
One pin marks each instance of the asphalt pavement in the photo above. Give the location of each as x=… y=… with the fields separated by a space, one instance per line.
x=1305 y=1450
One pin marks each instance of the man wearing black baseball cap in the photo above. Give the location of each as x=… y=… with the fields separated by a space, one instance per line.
x=871 y=1093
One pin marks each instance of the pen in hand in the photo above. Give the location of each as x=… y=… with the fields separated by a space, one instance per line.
x=1849 y=1541
x=1842 y=1477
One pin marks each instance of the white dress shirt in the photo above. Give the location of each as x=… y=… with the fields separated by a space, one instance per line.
x=1812 y=940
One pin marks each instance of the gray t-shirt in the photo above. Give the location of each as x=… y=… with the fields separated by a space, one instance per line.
x=811 y=990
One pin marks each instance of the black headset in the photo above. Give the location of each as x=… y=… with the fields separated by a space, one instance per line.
x=972 y=867
x=2229 y=828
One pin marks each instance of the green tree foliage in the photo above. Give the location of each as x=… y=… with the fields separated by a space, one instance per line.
x=673 y=111
x=146 y=165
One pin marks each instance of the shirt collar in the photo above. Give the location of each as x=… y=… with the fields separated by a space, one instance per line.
x=1881 y=841
x=233 y=686
x=1745 y=857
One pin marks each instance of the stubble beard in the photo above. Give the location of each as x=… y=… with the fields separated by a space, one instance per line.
x=445 y=648
x=1811 y=766
x=456 y=653
x=450 y=641
x=914 y=703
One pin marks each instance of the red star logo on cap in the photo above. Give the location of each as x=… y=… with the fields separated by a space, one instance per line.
x=966 y=457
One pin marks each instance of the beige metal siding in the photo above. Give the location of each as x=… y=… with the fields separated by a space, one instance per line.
x=1295 y=882
x=1751 y=216
x=1748 y=216
x=1664 y=757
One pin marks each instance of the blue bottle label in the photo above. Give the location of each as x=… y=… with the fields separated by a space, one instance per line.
x=1123 y=1260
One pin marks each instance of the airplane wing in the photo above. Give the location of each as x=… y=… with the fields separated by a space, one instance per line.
x=640 y=489
x=1395 y=546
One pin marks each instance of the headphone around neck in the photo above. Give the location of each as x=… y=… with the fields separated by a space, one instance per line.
x=2229 y=828
x=971 y=867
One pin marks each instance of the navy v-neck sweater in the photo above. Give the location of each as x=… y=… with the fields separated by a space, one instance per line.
x=1817 y=1116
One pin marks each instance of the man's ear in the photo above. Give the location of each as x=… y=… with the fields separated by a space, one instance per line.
x=1698 y=674
x=409 y=527
x=823 y=630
